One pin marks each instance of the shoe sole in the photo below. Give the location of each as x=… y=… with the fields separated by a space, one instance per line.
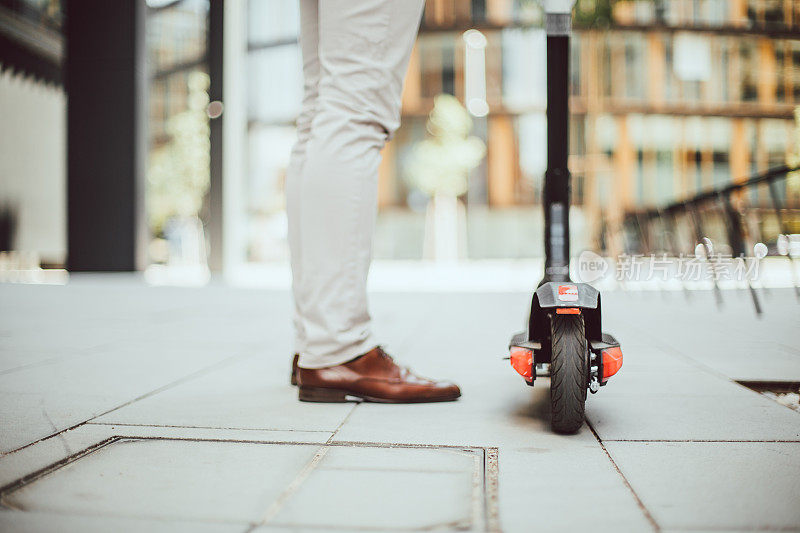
x=321 y=395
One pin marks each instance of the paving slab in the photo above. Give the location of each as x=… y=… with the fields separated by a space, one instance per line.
x=722 y=486
x=34 y=522
x=184 y=369
x=732 y=340
x=27 y=417
x=42 y=400
x=550 y=487
x=642 y=381
x=404 y=458
x=48 y=452
x=249 y=394
x=380 y=499
x=26 y=461
x=168 y=479
x=214 y=433
x=657 y=416
x=541 y=474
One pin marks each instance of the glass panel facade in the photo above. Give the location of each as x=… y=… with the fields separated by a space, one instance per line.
x=178 y=127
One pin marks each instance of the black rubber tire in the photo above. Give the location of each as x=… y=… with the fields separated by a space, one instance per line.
x=569 y=372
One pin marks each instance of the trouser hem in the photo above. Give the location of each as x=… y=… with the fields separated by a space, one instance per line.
x=337 y=358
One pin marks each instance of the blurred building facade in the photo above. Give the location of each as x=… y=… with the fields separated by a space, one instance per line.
x=32 y=131
x=668 y=98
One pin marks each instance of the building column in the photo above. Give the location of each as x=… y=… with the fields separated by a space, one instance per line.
x=624 y=167
x=767 y=79
x=738 y=12
x=739 y=150
x=502 y=161
x=105 y=79
x=232 y=214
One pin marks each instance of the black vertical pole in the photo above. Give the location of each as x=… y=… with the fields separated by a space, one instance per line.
x=735 y=230
x=215 y=93
x=556 y=194
x=777 y=205
x=104 y=72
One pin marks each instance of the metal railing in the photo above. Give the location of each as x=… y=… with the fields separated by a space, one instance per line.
x=734 y=216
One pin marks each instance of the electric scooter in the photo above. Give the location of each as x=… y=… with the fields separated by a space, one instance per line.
x=564 y=338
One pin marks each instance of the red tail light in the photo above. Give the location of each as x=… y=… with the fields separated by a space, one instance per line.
x=612 y=361
x=522 y=361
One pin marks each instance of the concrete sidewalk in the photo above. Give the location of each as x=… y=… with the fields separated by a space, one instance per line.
x=125 y=407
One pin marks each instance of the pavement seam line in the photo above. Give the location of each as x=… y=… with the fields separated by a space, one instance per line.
x=639 y=501
x=709 y=441
x=275 y=507
x=52 y=467
x=478 y=496
x=223 y=428
x=669 y=349
x=491 y=481
x=179 y=381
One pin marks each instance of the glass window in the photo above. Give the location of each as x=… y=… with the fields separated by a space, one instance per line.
x=274 y=90
x=794 y=69
x=721 y=71
x=431 y=64
x=524 y=60
x=749 y=70
x=575 y=65
x=696 y=169
x=665 y=177
x=773 y=13
x=635 y=70
x=532 y=138
x=640 y=187
x=448 y=67
x=577 y=135
x=178 y=157
x=721 y=173
x=670 y=82
x=606 y=72
x=478 y=10
x=274 y=84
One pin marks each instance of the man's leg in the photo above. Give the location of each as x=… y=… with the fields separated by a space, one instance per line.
x=309 y=41
x=364 y=48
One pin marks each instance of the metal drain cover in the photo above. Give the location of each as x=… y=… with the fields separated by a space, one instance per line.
x=343 y=485
x=784 y=392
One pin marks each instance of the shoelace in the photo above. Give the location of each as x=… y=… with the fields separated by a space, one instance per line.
x=385 y=355
x=404 y=370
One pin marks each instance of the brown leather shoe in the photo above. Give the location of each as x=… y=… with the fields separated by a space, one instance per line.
x=293 y=377
x=373 y=377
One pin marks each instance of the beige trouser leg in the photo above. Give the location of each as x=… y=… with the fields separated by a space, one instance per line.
x=355 y=55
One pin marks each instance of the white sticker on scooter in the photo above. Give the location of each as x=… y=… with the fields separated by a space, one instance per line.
x=568 y=293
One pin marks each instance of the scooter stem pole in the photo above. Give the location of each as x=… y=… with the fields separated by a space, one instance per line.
x=556 y=193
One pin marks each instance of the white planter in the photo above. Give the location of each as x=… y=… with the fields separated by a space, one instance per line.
x=445 y=229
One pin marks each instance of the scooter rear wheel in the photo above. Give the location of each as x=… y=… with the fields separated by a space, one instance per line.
x=569 y=372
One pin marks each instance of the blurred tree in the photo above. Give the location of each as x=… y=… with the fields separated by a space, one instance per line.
x=178 y=172
x=441 y=163
x=599 y=13
x=593 y=13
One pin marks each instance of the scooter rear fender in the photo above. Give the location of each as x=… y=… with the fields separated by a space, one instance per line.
x=553 y=295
